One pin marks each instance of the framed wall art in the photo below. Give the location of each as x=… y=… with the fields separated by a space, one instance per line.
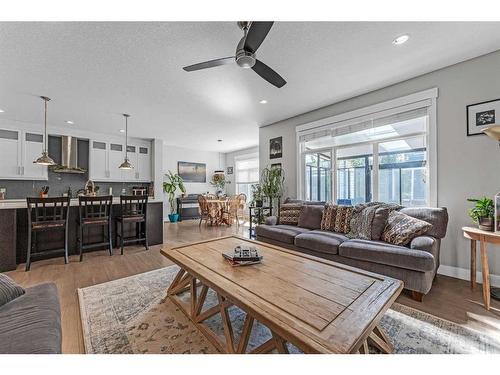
x=481 y=115
x=276 y=148
x=192 y=172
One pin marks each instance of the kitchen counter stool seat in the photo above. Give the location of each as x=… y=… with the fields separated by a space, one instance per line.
x=92 y=212
x=133 y=210
x=46 y=214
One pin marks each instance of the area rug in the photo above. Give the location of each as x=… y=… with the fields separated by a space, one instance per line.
x=133 y=315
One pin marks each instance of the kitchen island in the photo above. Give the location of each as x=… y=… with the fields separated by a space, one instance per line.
x=14 y=230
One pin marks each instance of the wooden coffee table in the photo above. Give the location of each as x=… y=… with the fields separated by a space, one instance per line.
x=317 y=305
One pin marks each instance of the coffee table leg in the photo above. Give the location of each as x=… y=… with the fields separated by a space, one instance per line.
x=379 y=339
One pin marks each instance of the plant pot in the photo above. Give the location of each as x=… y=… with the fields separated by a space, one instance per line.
x=485 y=223
x=258 y=203
x=173 y=218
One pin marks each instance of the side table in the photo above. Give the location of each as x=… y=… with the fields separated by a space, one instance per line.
x=484 y=237
x=257 y=212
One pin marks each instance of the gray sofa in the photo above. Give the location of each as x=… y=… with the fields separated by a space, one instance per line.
x=416 y=264
x=31 y=323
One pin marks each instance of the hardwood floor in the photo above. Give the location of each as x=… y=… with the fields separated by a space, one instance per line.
x=450 y=298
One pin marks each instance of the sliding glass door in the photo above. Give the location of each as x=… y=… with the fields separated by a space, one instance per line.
x=318 y=176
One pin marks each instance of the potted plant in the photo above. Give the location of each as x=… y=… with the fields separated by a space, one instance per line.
x=218 y=182
x=272 y=182
x=257 y=195
x=170 y=187
x=483 y=213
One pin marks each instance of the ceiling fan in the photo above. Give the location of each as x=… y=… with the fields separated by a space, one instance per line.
x=254 y=34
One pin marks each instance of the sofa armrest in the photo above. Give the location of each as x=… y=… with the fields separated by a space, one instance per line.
x=425 y=243
x=271 y=220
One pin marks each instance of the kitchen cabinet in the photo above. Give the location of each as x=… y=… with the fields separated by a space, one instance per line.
x=18 y=149
x=106 y=157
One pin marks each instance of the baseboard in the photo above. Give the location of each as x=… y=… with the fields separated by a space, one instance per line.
x=464 y=274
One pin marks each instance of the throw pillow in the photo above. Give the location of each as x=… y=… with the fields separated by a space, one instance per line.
x=9 y=290
x=289 y=213
x=343 y=219
x=328 y=218
x=310 y=216
x=401 y=228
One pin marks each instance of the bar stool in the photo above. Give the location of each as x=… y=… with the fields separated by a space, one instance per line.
x=133 y=210
x=94 y=212
x=46 y=214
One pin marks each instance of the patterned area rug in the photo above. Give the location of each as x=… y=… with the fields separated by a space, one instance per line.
x=133 y=315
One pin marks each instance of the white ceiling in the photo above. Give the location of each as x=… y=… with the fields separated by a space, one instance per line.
x=96 y=71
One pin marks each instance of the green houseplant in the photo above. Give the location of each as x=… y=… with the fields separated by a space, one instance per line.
x=170 y=187
x=482 y=213
x=257 y=196
x=272 y=181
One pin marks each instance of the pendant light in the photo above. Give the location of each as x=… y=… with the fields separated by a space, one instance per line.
x=45 y=159
x=126 y=165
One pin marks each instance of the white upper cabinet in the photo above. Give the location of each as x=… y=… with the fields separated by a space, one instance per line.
x=106 y=157
x=18 y=149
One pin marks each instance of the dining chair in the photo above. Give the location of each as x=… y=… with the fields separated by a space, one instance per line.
x=232 y=209
x=242 y=203
x=203 y=209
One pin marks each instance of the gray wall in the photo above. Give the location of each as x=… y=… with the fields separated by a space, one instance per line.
x=59 y=182
x=467 y=166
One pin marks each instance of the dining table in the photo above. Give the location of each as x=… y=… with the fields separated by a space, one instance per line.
x=217 y=211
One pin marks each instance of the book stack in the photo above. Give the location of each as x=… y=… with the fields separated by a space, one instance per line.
x=243 y=255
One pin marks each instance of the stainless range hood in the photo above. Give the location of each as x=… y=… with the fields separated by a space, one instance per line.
x=69 y=156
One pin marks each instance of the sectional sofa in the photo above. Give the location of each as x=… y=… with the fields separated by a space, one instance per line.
x=415 y=264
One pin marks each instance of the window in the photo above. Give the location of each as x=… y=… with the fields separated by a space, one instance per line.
x=318 y=176
x=381 y=156
x=246 y=173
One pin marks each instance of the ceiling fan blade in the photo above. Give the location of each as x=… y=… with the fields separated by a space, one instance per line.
x=256 y=35
x=209 y=64
x=268 y=74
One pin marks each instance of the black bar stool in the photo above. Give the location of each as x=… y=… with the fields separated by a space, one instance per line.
x=133 y=210
x=94 y=212
x=46 y=214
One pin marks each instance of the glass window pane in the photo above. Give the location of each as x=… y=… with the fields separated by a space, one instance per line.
x=317 y=176
x=354 y=174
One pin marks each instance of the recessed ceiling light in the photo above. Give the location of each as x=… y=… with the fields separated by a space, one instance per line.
x=69 y=122
x=122 y=130
x=1 y=111
x=263 y=101
x=219 y=140
x=401 y=39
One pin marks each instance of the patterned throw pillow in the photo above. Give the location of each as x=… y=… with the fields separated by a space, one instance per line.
x=401 y=228
x=328 y=218
x=343 y=219
x=9 y=290
x=289 y=213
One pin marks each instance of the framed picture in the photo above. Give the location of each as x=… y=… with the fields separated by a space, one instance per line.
x=276 y=166
x=481 y=115
x=276 y=148
x=229 y=170
x=192 y=172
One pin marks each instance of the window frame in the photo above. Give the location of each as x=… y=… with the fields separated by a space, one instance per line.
x=241 y=158
x=425 y=99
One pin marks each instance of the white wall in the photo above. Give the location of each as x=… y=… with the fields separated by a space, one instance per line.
x=173 y=154
x=229 y=160
x=467 y=166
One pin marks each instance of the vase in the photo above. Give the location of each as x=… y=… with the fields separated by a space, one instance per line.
x=173 y=218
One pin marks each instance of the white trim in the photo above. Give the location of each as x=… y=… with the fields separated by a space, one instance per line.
x=464 y=274
x=382 y=106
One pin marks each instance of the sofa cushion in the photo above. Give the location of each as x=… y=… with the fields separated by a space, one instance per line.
x=379 y=222
x=310 y=216
x=343 y=219
x=289 y=213
x=438 y=217
x=32 y=323
x=321 y=241
x=391 y=255
x=328 y=217
x=9 y=289
x=401 y=228
x=282 y=233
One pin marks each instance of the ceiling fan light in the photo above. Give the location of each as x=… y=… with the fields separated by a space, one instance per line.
x=44 y=159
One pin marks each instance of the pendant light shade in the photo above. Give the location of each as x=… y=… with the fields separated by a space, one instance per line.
x=45 y=159
x=126 y=165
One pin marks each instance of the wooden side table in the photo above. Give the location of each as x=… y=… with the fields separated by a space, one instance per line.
x=484 y=237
